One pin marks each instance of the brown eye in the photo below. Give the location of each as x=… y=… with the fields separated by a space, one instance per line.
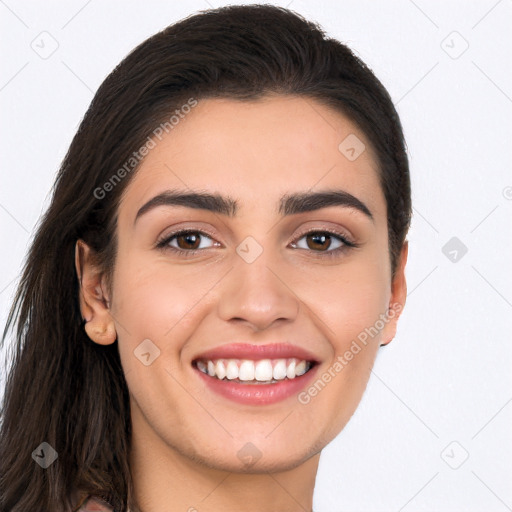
x=322 y=241
x=318 y=241
x=188 y=240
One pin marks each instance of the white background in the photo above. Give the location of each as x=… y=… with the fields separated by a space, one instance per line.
x=446 y=379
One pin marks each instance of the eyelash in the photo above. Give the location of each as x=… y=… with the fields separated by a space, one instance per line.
x=347 y=244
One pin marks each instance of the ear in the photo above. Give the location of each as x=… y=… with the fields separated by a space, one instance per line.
x=398 y=298
x=94 y=301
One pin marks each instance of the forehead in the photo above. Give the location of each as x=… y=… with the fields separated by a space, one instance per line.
x=257 y=151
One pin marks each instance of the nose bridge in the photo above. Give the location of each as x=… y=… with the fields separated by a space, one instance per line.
x=254 y=290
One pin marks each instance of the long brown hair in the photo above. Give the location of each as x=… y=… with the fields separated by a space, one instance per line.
x=62 y=388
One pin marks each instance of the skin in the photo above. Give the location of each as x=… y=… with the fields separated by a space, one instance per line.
x=185 y=437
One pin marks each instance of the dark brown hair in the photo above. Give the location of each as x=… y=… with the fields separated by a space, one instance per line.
x=64 y=389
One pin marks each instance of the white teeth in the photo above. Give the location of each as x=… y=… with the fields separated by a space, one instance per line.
x=264 y=370
x=246 y=370
x=300 y=368
x=290 y=371
x=220 y=370
x=279 y=372
x=232 y=370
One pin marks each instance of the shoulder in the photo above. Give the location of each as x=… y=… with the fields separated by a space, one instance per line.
x=94 y=504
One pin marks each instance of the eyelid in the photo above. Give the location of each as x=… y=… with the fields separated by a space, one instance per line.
x=180 y=230
x=340 y=233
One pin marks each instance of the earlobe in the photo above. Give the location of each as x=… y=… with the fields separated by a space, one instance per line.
x=105 y=336
x=94 y=303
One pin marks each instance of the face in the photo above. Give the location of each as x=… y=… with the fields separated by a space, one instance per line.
x=315 y=277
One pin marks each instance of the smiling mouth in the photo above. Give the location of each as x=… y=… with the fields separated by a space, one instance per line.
x=254 y=372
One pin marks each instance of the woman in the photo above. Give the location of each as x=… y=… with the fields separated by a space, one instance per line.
x=205 y=297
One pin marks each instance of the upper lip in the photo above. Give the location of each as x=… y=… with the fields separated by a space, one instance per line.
x=255 y=352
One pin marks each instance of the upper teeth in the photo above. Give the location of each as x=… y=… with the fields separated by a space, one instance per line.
x=246 y=369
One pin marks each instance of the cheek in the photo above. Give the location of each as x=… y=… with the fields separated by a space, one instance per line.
x=161 y=304
x=351 y=314
x=155 y=300
x=349 y=299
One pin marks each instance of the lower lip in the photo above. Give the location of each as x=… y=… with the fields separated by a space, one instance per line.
x=258 y=394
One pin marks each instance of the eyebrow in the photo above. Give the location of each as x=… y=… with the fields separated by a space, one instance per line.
x=289 y=204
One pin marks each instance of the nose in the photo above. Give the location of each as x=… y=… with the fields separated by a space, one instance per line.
x=257 y=293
